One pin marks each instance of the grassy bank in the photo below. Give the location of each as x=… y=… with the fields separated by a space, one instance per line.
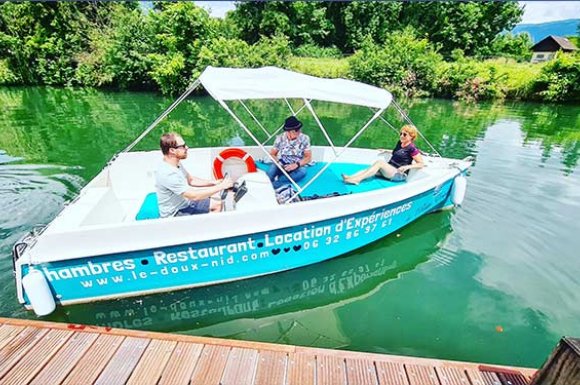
x=468 y=79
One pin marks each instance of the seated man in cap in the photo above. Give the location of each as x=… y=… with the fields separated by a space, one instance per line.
x=292 y=149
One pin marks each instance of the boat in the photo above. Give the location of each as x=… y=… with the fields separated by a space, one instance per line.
x=110 y=243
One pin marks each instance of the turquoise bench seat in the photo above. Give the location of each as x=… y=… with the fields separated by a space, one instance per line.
x=149 y=209
x=331 y=180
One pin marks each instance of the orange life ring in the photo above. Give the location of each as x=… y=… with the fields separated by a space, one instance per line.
x=232 y=153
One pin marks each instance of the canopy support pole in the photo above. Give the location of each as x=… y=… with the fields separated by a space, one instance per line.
x=309 y=106
x=408 y=120
x=336 y=156
x=389 y=124
x=253 y=117
x=188 y=91
x=227 y=108
x=290 y=106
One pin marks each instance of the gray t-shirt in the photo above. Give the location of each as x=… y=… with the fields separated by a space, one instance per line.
x=170 y=183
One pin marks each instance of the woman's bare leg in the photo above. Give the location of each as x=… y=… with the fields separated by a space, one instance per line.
x=381 y=166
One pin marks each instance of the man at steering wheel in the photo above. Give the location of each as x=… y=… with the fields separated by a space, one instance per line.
x=178 y=192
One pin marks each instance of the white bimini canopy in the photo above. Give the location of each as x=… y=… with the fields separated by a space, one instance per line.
x=276 y=83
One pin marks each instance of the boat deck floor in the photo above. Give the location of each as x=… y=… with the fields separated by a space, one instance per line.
x=36 y=352
x=331 y=179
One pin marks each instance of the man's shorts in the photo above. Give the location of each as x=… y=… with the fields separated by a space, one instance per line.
x=194 y=207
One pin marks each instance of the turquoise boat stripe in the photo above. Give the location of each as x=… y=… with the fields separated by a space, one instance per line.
x=171 y=267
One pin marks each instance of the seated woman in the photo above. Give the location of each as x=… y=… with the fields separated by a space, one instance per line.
x=400 y=163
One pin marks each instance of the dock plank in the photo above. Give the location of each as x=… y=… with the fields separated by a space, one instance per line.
x=391 y=373
x=149 y=369
x=123 y=362
x=475 y=376
x=452 y=376
x=240 y=367
x=490 y=378
x=512 y=379
x=65 y=360
x=301 y=369
x=7 y=332
x=421 y=375
x=330 y=370
x=35 y=359
x=210 y=366
x=271 y=368
x=180 y=367
x=46 y=353
x=361 y=372
x=90 y=366
x=18 y=346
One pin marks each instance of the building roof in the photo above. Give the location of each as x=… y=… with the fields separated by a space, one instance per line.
x=560 y=41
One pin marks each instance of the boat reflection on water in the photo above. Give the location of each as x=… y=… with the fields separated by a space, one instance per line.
x=347 y=278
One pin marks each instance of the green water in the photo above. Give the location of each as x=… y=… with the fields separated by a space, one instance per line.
x=496 y=281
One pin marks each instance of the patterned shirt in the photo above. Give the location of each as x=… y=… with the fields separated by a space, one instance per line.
x=291 y=151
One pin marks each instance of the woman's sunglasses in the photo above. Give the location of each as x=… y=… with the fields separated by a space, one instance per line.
x=403 y=134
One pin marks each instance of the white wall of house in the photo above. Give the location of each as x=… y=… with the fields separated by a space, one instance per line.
x=539 y=57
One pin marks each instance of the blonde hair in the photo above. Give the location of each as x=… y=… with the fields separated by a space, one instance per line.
x=411 y=130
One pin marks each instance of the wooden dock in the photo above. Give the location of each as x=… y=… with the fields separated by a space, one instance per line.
x=47 y=353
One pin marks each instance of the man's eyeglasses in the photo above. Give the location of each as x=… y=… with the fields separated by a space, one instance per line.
x=181 y=146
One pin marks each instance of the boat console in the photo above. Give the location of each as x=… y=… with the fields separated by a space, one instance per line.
x=259 y=194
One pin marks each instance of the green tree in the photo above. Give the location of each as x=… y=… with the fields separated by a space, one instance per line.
x=118 y=53
x=560 y=78
x=179 y=31
x=302 y=22
x=359 y=20
x=405 y=63
x=451 y=25
x=41 y=41
x=469 y=26
x=518 y=47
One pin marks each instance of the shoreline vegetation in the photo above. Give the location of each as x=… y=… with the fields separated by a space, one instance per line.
x=459 y=53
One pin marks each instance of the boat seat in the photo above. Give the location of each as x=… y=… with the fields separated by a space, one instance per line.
x=95 y=206
x=149 y=209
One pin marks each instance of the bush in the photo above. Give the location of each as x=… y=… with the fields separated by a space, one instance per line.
x=311 y=50
x=404 y=63
x=321 y=67
x=270 y=51
x=471 y=79
x=559 y=79
x=168 y=72
x=118 y=53
x=518 y=47
x=6 y=76
x=222 y=52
